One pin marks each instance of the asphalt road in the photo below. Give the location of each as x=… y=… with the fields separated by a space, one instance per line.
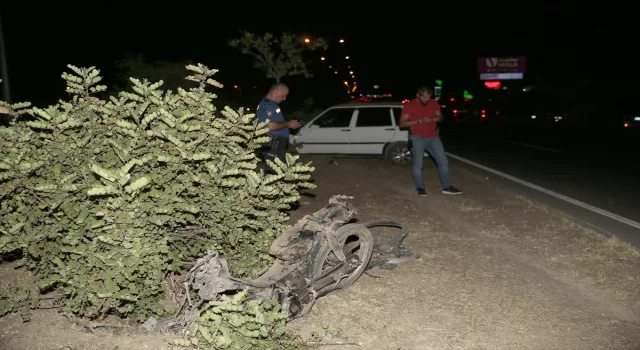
x=598 y=167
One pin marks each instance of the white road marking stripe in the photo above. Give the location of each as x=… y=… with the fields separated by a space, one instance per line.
x=550 y=193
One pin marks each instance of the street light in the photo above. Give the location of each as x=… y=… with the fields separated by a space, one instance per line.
x=336 y=72
x=307 y=40
x=341 y=41
x=239 y=93
x=346 y=58
x=322 y=58
x=351 y=72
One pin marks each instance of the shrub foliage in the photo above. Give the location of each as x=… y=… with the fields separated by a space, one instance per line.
x=104 y=199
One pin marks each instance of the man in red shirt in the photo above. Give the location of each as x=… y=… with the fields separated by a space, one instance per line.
x=421 y=115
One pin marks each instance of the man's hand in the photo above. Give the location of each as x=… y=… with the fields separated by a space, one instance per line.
x=294 y=124
x=439 y=117
x=405 y=121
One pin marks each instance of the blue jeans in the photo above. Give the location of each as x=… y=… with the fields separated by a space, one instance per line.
x=436 y=150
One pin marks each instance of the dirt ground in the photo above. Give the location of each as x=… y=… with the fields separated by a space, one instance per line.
x=497 y=271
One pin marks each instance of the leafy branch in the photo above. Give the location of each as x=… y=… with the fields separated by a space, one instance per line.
x=280 y=56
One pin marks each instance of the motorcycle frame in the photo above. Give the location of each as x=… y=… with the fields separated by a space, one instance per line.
x=296 y=251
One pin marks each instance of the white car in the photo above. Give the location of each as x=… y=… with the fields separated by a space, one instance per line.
x=356 y=129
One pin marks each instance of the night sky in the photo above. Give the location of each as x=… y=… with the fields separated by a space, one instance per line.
x=396 y=45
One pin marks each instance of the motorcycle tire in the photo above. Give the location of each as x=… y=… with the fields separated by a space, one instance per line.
x=363 y=245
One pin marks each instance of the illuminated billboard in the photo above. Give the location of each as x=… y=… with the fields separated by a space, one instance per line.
x=505 y=64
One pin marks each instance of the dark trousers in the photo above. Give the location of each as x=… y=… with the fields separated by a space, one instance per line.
x=277 y=148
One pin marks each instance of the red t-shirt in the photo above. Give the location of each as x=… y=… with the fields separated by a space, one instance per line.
x=416 y=110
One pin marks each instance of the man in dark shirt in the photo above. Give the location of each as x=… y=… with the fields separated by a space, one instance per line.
x=269 y=110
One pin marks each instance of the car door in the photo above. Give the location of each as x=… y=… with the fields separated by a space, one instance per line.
x=328 y=133
x=373 y=129
x=402 y=134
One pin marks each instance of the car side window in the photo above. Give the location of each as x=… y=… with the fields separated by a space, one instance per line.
x=335 y=118
x=396 y=115
x=374 y=117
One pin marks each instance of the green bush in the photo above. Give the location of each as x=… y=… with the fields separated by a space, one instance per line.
x=104 y=199
x=234 y=322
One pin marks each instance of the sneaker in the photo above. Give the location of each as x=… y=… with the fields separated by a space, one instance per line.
x=451 y=190
x=421 y=192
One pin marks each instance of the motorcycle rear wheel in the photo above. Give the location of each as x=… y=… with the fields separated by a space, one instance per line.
x=354 y=239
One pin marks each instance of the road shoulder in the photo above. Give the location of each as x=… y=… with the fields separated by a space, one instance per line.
x=497 y=269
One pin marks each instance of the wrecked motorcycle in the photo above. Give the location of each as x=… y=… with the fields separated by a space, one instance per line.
x=321 y=253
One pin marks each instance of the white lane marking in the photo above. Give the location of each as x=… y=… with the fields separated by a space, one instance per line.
x=536 y=147
x=597 y=210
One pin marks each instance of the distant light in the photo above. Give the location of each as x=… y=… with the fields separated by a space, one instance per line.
x=452 y=99
x=626 y=125
x=376 y=86
x=455 y=111
x=336 y=72
x=322 y=58
x=533 y=117
x=306 y=40
x=636 y=118
x=351 y=72
x=493 y=84
x=248 y=109
x=346 y=58
x=330 y=66
x=405 y=100
x=341 y=40
x=235 y=86
x=353 y=76
x=346 y=83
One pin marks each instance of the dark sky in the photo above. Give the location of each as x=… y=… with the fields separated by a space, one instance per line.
x=394 y=44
